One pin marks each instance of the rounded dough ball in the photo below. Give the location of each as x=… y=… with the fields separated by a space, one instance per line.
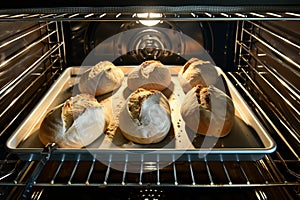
x=149 y=75
x=102 y=78
x=145 y=117
x=74 y=124
x=208 y=111
x=197 y=72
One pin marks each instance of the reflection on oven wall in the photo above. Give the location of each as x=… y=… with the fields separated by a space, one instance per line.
x=21 y=44
x=174 y=45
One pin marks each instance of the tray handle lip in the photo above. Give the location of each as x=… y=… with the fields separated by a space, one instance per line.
x=269 y=149
x=70 y=154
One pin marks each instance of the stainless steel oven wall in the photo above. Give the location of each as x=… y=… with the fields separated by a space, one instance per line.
x=31 y=59
x=267 y=56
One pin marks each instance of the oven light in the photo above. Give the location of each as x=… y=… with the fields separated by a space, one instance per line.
x=149 y=18
x=149 y=22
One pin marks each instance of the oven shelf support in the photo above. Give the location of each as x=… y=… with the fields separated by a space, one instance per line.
x=46 y=154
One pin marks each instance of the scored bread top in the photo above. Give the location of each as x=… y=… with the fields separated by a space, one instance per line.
x=208 y=111
x=203 y=97
x=136 y=100
x=197 y=72
x=150 y=74
x=188 y=63
x=75 y=106
x=101 y=66
x=100 y=79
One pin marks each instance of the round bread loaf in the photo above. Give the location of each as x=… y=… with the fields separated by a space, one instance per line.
x=100 y=79
x=74 y=124
x=145 y=117
x=208 y=111
x=149 y=75
x=197 y=72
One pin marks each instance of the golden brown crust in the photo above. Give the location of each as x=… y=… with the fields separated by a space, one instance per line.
x=75 y=106
x=188 y=63
x=203 y=97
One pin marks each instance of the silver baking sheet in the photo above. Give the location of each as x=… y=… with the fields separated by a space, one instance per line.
x=248 y=139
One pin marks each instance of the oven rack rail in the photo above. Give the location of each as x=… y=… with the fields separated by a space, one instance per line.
x=267 y=172
x=129 y=16
x=257 y=59
x=48 y=46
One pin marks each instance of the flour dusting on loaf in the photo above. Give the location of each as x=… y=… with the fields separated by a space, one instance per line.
x=100 y=79
x=197 y=72
x=145 y=117
x=208 y=111
x=76 y=123
x=150 y=74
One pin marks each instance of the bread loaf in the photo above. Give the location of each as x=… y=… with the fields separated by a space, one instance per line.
x=74 y=124
x=145 y=117
x=149 y=75
x=208 y=111
x=197 y=72
x=102 y=78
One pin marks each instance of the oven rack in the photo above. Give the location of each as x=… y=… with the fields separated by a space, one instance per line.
x=267 y=172
x=109 y=16
x=41 y=46
x=260 y=62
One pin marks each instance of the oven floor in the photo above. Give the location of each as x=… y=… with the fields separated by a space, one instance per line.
x=156 y=193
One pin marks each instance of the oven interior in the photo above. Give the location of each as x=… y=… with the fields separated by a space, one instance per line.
x=257 y=48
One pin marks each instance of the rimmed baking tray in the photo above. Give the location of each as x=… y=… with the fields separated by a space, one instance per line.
x=248 y=139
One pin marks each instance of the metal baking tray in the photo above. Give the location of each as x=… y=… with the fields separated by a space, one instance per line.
x=248 y=139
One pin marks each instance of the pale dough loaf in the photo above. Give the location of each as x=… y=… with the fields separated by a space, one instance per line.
x=149 y=75
x=208 y=111
x=197 y=72
x=145 y=117
x=100 y=79
x=74 y=124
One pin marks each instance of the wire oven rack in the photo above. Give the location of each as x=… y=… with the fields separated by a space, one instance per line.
x=276 y=170
x=89 y=14
x=268 y=172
